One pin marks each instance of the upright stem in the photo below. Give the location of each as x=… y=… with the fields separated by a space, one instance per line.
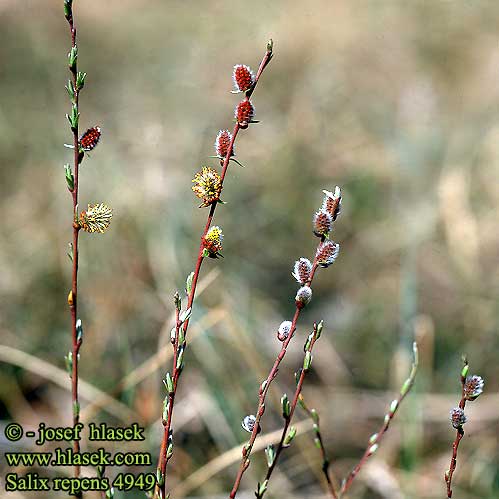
x=264 y=388
x=376 y=437
x=160 y=490
x=455 y=445
x=320 y=444
x=296 y=397
x=74 y=286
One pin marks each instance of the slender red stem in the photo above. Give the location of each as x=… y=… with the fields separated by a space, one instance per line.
x=373 y=444
x=264 y=388
x=160 y=490
x=281 y=446
x=455 y=445
x=76 y=343
x=320 y=442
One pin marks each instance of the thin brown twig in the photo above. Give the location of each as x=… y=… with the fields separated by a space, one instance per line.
x=459 y=434
x=164 y=455
x=376 y=437
x=288 y=413
x=264 y=388
x=73 y=296
x=319 y=442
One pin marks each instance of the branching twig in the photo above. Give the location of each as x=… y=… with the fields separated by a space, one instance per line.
x=74 y=87
x=376 y=437
x=319 y=443
x=182 y=320
x=471 y=388
x=326 y=253
x=95 y=219
x=288 y=412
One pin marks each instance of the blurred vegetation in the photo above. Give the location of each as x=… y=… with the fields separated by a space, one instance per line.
x=396 y=102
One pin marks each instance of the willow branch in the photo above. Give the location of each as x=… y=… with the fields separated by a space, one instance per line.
x=181 y=327
x=319 y=442
x=376 y=438
x=73 y=295
x=264 y=387
x=288 y=411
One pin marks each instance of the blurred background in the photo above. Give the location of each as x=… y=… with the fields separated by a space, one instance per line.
x=396 y=102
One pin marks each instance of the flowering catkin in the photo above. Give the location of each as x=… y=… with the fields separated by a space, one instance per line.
x=473 y=387
x=323 y=223
x=327 y=253
x=213 y=239
x=222 y=143
x=96 y=218
x=208 y=185
x=332 y=202
x=302 y=270
x=244 y=113
x=90 y=138
x=243 y=77
x=457 y=417
x=284 y=329
x=303 y=296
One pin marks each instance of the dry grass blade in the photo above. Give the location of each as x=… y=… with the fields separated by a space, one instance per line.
x=58 y=376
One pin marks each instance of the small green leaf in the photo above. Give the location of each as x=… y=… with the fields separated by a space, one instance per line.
x=80 y=80
x=70 y=251
x=289 y=437
x=79 y=331
x=71 y=90
x=166 y=408
x=319 y=329
x=70 y=181
x=306 y=347
x=160 y=478
x=406 y=386
x=185 y=315
x=68 y=360
x=307 y=361
x=76 y=408
x=285 y=406
x=73 y=57
x=177 y=301
x=180 y=357
x=188 y=283
x=394 y=405
x=262 y=488
x=169 y=383
x=270 y=453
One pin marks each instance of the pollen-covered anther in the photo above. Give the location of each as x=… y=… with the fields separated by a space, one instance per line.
x=212 y=241
x=302 y=270
x=323 y=223
x=244 y=113
x=208 y=185
x=457 y=417
x=473 y=387
x=284 y=330
x=90 y=138
x=243 y=77
x=327 y=253
x=96 y=218
x=303 y=296
x=222 y=143
x=332 y=202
